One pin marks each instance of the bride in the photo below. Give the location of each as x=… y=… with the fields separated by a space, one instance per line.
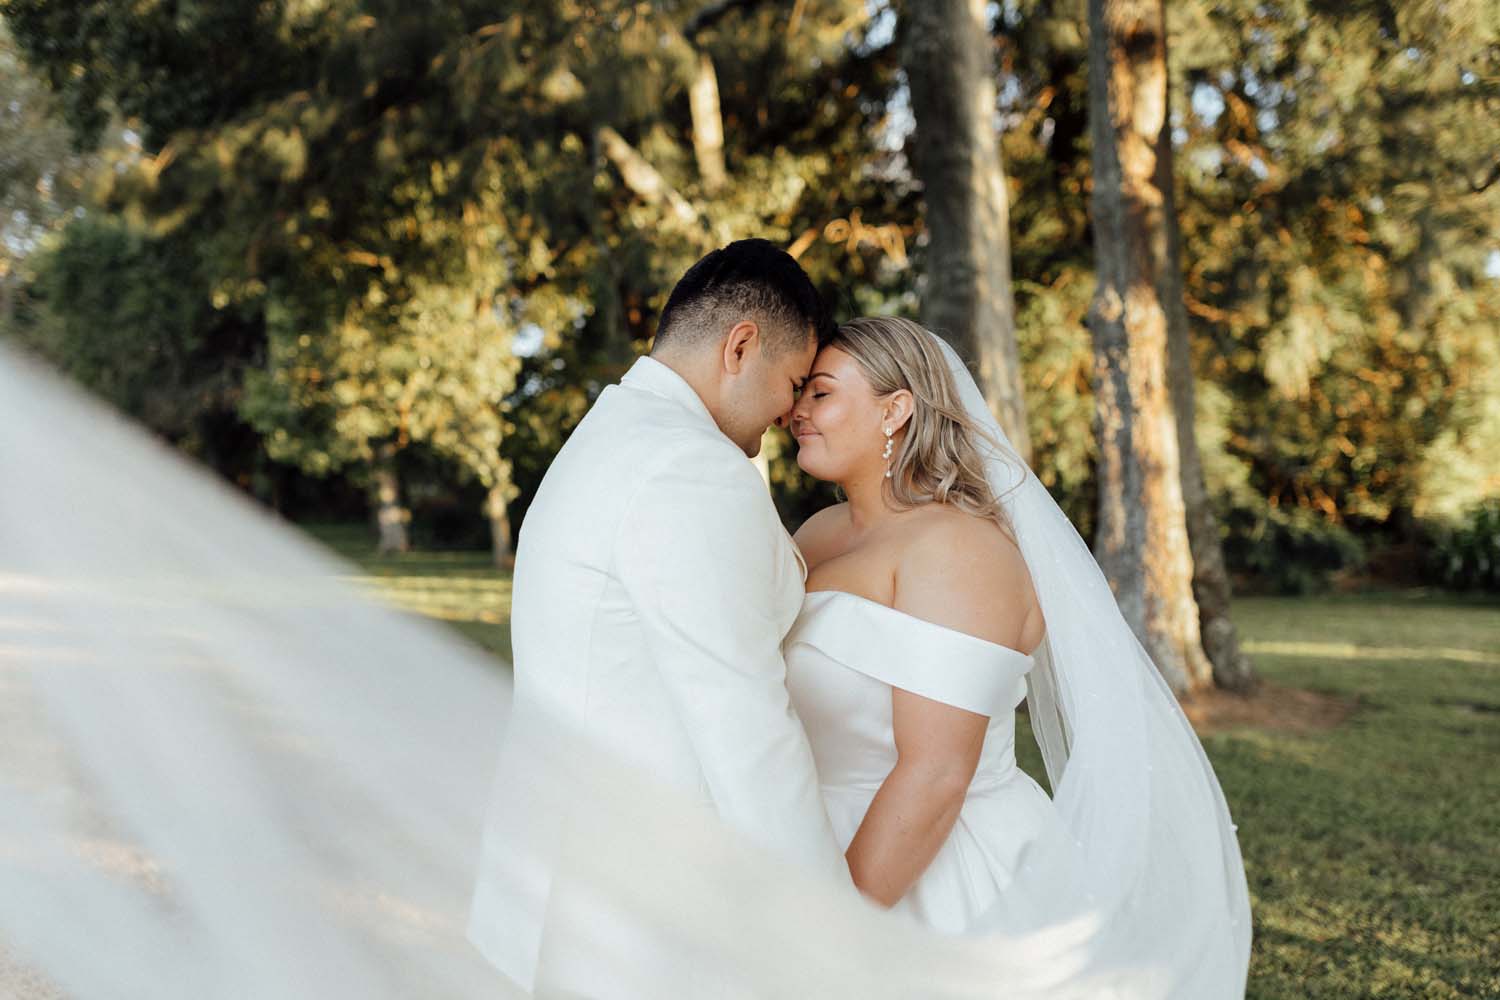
x=920 y=620
x=945 y=589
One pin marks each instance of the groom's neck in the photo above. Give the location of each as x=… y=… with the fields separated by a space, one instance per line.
x=697 y=372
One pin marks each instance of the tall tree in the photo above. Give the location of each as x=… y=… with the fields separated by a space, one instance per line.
x=967 y=298
x=1338 y=217
x=1142 y=541
x=354 y=197
x=400 y=192
x=1232 y=669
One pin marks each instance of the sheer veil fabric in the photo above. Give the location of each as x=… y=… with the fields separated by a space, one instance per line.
x=1146 y=871
x=224 y=772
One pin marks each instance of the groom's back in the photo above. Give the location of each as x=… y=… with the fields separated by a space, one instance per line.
x=653 y=586
x=579 y=644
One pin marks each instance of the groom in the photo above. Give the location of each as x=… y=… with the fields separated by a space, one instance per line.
x=654 y=584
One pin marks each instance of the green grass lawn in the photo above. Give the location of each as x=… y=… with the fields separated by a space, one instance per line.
x=461 y=588
x=1372 y=849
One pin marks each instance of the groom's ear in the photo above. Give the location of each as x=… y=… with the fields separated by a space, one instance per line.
x=743 y=336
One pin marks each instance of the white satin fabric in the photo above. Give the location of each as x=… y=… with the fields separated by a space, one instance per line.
x=844 y=655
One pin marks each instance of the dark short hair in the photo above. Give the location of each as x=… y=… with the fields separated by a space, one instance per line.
x=748 y=279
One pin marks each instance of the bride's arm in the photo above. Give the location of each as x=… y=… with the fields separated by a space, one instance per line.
x=967 y=577
x=938 y=749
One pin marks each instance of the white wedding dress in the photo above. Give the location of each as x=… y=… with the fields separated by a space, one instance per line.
x=844 y=655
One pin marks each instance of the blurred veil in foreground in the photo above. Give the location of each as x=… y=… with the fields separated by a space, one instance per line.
x=222 y=771
x=226 y=773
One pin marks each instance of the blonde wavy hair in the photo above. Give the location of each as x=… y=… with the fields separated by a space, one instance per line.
x=939 y=460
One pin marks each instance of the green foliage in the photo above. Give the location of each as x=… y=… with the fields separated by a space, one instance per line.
x=547 y=404
x=1337 y=219
x=1465 y=554
x=377 y=200
x=1045 y=106
x=1337 y=207
x=168 y=65
x=128 y=331
x=133 y=320
x=1058 y=358
x=327 y=182
x=1292 y=551
x=405 y=189
x=41 y=176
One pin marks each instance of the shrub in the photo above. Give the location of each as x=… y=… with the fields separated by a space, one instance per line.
x=1464 y=554
x=1287 y=551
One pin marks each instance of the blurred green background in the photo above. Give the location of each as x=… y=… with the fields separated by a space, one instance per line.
x=372 y=261
x=329 y=246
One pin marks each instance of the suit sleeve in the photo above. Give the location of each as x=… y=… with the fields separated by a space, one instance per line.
x=697 y=553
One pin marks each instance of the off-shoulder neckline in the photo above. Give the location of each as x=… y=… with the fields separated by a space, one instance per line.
x=911 y=617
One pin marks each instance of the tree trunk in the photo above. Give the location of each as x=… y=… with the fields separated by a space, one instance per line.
x=609 y=315
x=1232 y=669
x=7 y=303
x=1142 y=542
x=946 y=53
x=708 y=124
x=609 y=312
x=390 y=517
x=497 y=512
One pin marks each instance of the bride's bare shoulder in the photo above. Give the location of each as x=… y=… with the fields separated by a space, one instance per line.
x=965 y=572
x=945 y=524
x=820 y=535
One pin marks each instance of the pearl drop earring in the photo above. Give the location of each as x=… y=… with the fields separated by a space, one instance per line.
x=889 y=445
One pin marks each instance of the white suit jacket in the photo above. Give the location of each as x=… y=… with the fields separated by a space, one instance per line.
x=653 y=585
